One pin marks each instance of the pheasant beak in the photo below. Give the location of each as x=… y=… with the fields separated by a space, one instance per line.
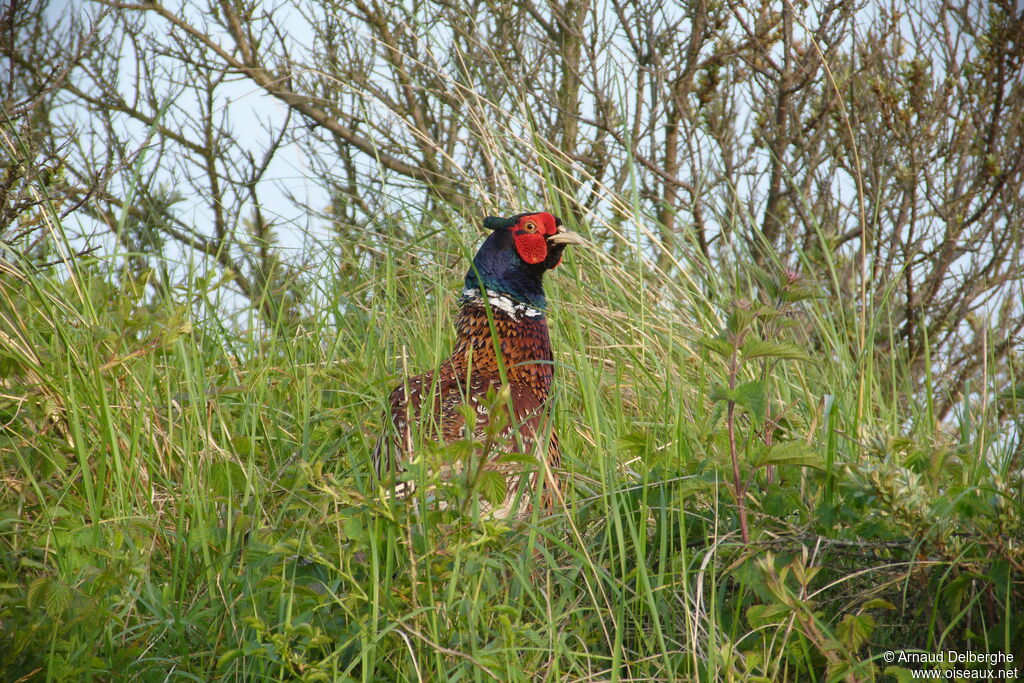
x=564 y=236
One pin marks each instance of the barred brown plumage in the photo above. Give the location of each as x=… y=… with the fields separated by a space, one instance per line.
x=502 y=288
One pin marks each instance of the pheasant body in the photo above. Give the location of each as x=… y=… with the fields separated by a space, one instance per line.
x=502 y=289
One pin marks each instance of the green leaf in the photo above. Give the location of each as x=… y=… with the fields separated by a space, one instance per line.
x=492 y=486
x=855 y=629
x=353 y=529
x=246 y=447
x=739 y=320
x=790 y=453
x=750 y=395
x=953 y=592
x=762 y=348
x=716 y=345
x=685 y=486
x=635 y=442
x=723 y=394
x=762 y=616
x=58 y=598
x=802 y=292
x=37 y=591
x=226 y=478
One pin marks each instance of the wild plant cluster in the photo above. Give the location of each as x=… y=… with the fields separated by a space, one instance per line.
x=787 y=375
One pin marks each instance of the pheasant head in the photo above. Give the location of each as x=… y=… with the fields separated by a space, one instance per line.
x=513 y=259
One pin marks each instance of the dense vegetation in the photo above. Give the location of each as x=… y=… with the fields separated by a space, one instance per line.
x=790 y=415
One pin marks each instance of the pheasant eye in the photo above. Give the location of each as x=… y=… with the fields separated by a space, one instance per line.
x=530 y=226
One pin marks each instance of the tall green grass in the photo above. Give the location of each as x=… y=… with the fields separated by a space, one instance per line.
x=188 y=496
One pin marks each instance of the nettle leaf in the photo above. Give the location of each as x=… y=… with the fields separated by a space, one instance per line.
x=953 y=592
x=739 y=319
x=789 y=453
x=226 y=478
x=772 y=614
x=763 y=348
x=855 y=629
x=802 y=292
x=492 y=486
x=723 y=394
x=716 y=345
x=751 y=395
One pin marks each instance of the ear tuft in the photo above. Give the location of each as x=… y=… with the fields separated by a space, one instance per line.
x=495 y=223
x=558 y=222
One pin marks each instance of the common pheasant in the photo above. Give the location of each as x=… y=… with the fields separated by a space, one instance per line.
x=503 y=285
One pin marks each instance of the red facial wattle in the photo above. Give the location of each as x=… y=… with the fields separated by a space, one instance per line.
x=530 y=235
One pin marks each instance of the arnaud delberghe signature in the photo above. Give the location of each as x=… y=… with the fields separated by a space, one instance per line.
x=954 y=657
